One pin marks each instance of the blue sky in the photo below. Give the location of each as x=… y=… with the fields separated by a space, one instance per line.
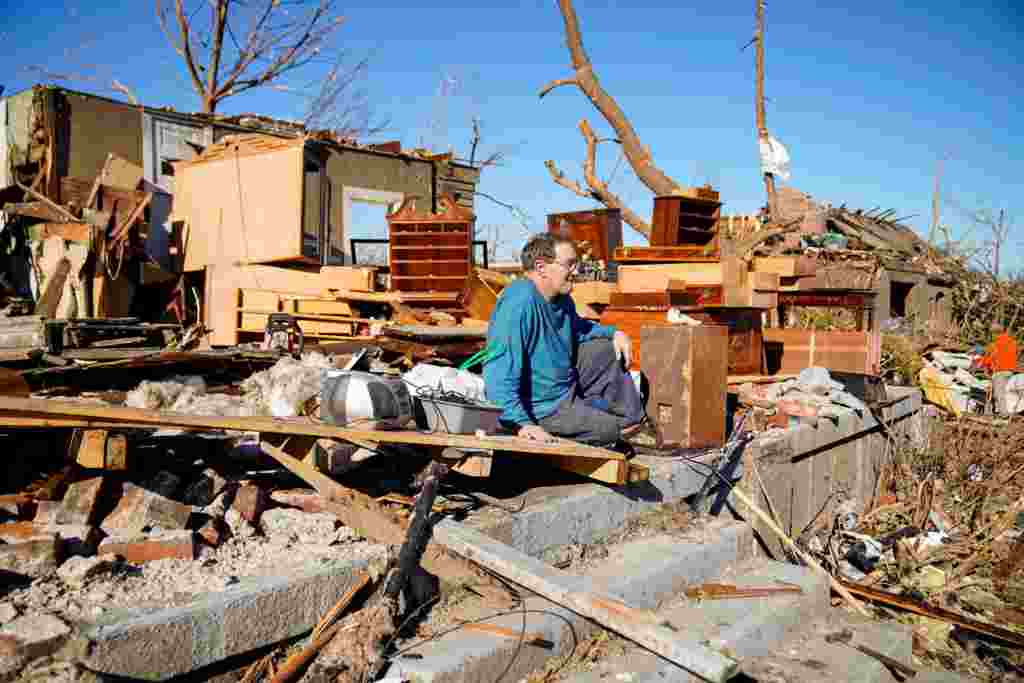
x=865 y=95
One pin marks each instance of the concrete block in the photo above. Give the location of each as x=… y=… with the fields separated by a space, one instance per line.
x=139 y=509
x=82 y=501
x=586 y=513
x=35 y=557
x=641 y=573
x=77 y=571
x=744 y=627
x=37 y=635
x=169 y=544
x=257 y=612
x=250 y=501
x=805 y=442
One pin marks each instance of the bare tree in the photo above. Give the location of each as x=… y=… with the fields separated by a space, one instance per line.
x=636 y=153
x=230 y=47
x=762 y=125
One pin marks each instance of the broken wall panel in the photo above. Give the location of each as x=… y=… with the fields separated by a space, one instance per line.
x=790 y=350
x=242 y=206
x=99 y=127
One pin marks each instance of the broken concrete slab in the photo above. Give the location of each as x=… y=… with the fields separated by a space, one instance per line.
x=36 y=557
x=256 y=612
x=139 y=509
x=37 y=635
x=8 y=612
x=81 y=502
x=76 y=571
x=144 y=548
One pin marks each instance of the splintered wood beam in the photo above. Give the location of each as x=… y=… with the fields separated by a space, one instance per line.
x=64 y=213
x=64 y=412
x=643 y=627
x=364 y=514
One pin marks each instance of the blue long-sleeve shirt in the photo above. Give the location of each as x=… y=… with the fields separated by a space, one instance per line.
x=535 y=341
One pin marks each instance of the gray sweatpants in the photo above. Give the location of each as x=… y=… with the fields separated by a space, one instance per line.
x=604 y=400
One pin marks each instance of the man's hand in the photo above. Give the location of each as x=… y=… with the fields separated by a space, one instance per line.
x=535 y=432
x=623 y=347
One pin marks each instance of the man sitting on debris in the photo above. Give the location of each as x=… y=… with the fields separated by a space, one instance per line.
x=1001 y=361
x=552 y=372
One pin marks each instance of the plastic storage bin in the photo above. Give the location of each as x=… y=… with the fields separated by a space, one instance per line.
x=437 y=415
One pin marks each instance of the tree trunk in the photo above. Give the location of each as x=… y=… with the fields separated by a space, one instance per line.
x=762 y=124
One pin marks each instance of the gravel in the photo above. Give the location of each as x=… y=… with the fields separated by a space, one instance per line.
x=175 y=582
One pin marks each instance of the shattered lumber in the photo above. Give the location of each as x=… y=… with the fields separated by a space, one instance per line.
x=932 y=612
x=362 y=513
x=43 y=413
x=640 y=626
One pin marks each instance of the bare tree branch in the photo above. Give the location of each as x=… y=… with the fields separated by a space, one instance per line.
x=555 y=84
x=597 y=189
x=636 y=153
x=519 y=214
x=186 y=49
x=239 y=46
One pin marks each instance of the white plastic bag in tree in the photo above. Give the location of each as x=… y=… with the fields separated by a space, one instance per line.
x=774 y=158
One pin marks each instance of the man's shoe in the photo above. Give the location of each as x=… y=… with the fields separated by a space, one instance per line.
x=645 y=426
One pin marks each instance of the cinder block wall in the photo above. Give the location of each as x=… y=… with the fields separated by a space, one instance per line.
x=803 y=466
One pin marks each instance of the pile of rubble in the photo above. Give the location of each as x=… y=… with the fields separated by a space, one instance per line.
x=111 y=543
x=812 y=394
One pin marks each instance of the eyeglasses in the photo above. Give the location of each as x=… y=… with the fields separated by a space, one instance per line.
x=570 y=266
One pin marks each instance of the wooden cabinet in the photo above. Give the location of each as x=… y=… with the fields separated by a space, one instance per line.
x=430 y=251
x=686 y=221
x=600 y=229
x=687 y=369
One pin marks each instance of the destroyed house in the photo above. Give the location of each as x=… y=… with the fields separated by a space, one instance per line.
x=58 y=140
x=870 y=250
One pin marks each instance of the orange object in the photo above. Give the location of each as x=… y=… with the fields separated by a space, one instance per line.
x=1002 y=355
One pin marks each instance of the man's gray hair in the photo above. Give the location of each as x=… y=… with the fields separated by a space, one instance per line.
x=541 y=246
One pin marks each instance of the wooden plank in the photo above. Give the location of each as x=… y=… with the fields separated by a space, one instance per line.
x=352 y=278
x=320 y=307
x=362 y=513
x=34 y=210
x=72 y=232
x=643 y=627
x=64 y=411
x=655 y=277
x=786 y=266
x=677 y=297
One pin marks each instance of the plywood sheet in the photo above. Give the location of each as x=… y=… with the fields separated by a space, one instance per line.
x=790 y=350
x=242 y=210
x=656 y=277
